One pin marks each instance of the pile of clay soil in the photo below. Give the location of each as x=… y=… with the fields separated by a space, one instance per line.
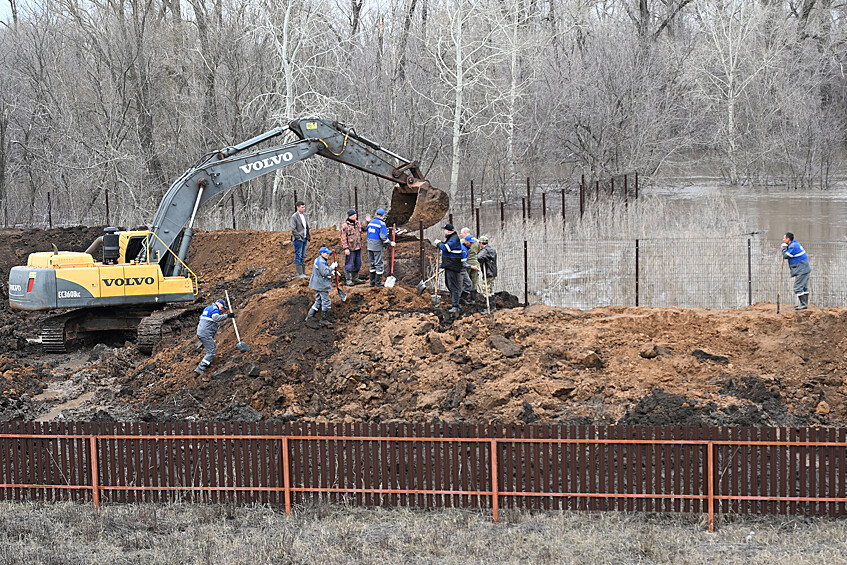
x=390 y=357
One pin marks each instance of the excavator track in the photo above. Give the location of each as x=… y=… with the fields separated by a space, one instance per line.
x=53 y=334
x=58 y=333
x=161 y=324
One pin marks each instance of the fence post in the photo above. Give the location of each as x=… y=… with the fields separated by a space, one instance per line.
x=625 y=193
x=49 y=210
x=495 y=502
x=636 y=185
x=356 y=198
x=472 y=200
x=597 y=189
x=421 y=230
x=107 y=207
x=477 y=222
x=95 y=480
x=528 y=201
x=711 y=485
x=582 y=197
x=563 y=209
x=636 y=272
x=523 y=208
x=543 y=206
x=295 y=198
x=450 y=218
x=232 y=205
x=612 y=187
x=502 y=215
x=286 y=482
x=749 y=274
x=525 y=275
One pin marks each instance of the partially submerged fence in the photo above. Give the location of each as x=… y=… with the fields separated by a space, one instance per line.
x=626 y=468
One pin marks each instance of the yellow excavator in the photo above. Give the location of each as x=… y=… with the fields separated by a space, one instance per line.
x=139 y=272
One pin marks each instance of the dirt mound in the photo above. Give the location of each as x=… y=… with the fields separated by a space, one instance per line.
x=263 y=258
x=389 y=356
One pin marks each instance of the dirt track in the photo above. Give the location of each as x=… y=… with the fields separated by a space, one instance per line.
x=392 y=357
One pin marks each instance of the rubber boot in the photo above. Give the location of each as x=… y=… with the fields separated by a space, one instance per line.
x=326 y=318
x=356 y=279
x=804 y=302
x=348 y=278
x=473 y=297
x=311 y=314
x=378 y=279
x=373 y=278
x=463 y=299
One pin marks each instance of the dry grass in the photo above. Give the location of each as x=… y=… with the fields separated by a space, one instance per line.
x=151 y=533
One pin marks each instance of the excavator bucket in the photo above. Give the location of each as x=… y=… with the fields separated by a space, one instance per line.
x=417 y=201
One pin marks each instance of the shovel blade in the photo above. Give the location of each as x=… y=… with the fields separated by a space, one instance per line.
x=420 y=288
x=243 y=347
x=342 y=295
x=390 y=281
x=436 y=300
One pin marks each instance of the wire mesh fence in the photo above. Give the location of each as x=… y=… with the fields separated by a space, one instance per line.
x=729 y=272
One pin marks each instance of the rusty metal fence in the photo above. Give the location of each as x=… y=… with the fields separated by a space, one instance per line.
x=625 y=468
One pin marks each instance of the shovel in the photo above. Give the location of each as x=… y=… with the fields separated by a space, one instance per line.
x=241 y=346
x=390 y=281
x=485 y=283
x=422 y=285
x=436 y=298
x=341 y=294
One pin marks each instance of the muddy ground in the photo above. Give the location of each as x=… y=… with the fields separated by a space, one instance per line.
x=391 y=357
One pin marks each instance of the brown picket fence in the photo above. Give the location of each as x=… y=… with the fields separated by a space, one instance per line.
x=624 y=468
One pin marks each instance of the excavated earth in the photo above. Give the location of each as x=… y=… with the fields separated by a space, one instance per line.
x=390 y=356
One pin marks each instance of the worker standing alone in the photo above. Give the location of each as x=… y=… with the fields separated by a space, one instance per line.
x=798 y=265
x=206 y=330
x=321 y=283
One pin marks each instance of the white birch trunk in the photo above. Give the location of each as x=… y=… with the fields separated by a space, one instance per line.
x=458 y=104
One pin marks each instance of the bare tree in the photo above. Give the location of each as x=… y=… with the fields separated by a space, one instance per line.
x=460 y=49
x=731 y=57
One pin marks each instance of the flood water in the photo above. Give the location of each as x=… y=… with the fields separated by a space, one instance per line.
x=812 y=215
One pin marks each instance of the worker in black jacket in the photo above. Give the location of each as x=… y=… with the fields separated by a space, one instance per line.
x=451 y=262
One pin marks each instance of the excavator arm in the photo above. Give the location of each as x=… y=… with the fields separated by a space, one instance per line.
x=413 y=199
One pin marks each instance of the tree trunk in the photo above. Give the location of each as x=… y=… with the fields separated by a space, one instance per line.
x=458 y=105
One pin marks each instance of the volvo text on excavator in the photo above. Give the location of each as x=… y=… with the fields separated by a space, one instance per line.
x=139 y=272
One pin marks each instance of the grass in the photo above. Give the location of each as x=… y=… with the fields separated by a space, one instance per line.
x=71 y=533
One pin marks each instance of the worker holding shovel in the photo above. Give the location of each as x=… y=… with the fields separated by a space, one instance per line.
x=798 y=265
x=206 y=330
x=321 y=283
x=487 y=258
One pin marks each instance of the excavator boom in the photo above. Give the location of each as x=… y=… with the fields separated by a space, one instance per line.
x=414 y=198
